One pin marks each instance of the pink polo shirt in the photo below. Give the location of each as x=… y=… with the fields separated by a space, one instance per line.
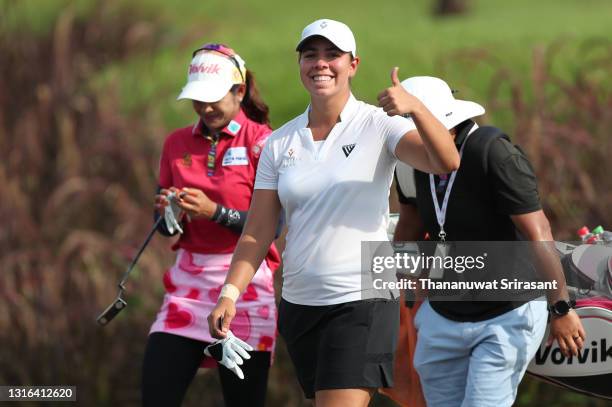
x=183 y=163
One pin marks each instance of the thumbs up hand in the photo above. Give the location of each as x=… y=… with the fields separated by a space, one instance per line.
x=395 y=100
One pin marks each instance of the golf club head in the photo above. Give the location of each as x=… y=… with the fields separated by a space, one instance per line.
x=111 y=312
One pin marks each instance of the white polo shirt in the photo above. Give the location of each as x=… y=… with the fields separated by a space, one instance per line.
x=335 y=196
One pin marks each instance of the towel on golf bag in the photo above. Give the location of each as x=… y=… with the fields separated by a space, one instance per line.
x=589 y=268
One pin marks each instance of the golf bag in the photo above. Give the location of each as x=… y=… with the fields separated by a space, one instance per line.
x=588 y=272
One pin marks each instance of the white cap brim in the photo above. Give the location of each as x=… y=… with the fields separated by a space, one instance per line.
x=205 y=91
x=344 y=46
x=462 y=110
x=210 y=76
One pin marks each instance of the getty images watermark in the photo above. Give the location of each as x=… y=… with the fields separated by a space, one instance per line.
x=461 y=271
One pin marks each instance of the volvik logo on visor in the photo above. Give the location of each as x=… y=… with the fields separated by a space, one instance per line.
x=204 y=68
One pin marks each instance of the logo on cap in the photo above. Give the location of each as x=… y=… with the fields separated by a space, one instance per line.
x=204 y=68
x=323 y=24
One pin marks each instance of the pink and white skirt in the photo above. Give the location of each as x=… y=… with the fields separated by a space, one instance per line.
x=193 y=285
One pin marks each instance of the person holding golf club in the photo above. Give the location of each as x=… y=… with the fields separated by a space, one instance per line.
x=207 y=172
x=330 y=170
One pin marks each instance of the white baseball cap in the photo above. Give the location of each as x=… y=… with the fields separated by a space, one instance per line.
x=338 y=33
x=210 y=76
x=438 y=97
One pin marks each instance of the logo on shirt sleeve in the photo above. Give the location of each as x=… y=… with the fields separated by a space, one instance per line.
x=348 y=149
x=257 y=148
x=235 y=156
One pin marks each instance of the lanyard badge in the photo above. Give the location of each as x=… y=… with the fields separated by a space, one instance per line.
x=441 y=210
x=442 y=248
x=212 y=153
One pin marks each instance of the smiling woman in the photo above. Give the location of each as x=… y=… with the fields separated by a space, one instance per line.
x=330 y=170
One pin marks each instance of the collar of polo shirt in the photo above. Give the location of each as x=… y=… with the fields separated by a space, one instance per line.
x=345 y=115
x=232 y=128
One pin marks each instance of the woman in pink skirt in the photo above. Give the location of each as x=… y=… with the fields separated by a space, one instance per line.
x=210 y=166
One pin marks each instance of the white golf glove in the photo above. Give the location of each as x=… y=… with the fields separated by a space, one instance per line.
x=172 y=213
x=230 y=352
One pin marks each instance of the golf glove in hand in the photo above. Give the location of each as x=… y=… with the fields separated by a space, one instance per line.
x=172 y=213
x=230 y=352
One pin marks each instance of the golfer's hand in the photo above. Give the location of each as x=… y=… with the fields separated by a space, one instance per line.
x=221 y=317
x=160 y=199
x=196 y=203
x=567 y=330
x=395 y=100
x=230 y=352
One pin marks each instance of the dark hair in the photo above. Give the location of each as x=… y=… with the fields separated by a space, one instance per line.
x=254 y=106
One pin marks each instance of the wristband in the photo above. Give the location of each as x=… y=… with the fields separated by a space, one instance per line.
x=219 y=212
x=227 y=216
x=230 y=291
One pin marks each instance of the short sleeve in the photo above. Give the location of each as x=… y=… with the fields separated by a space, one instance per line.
x=392 y=128
x=259 y=144
x=514 y=181
x=267 y=173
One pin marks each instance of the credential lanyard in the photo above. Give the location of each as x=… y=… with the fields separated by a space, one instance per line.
x=212 y=153
x=441 y=211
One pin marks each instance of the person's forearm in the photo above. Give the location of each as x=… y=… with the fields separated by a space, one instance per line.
x=441 y=151
x=550 y=269
x=535 y=228
x=255 y=240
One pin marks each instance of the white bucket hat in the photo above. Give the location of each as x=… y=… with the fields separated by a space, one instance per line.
x=438 y=97
x=210 y=77
x=338 y=33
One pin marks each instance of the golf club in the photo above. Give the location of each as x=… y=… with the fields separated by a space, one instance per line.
x=112 y=310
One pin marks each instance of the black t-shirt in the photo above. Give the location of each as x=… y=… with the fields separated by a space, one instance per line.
x=486 y=191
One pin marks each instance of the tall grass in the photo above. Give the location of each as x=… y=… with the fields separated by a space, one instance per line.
x=560 y=118
x=77 y=180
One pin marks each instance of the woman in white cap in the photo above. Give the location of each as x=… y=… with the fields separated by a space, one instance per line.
x=475 y=352
x=210 y=167
x=330 y=170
